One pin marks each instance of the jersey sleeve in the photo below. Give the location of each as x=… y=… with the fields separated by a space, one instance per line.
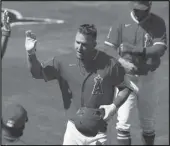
x=50 y=69
x=158 y=31
x=114 y=36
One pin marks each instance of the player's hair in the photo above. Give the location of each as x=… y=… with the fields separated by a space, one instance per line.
x=88 y=29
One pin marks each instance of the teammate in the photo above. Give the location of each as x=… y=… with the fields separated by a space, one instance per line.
x=140 y=39
x=86 y=79
x=6 y=31
x=14 y=117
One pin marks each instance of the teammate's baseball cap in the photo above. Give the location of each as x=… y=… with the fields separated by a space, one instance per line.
x=14 y=116
x=140 y=5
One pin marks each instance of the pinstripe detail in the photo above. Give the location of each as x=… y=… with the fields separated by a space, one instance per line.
x=160 y=43
x=109 y=44
x=123 y=134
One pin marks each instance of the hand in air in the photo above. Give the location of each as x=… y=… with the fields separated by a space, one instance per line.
x=30 y=42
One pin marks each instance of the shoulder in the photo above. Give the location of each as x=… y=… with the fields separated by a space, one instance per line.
x=64 y=58
x=156 y=18
x=156 y=21
x=126 y=19
x=122 y=21
x=105 y=60
x=156 y=26
x=103 y=57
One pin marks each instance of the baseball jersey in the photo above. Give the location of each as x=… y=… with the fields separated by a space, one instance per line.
x=149 y=32
x=91 y=90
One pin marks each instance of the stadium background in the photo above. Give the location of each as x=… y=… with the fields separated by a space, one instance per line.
x=43 y=100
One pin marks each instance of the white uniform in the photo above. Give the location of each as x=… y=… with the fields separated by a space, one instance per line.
x=73 y=137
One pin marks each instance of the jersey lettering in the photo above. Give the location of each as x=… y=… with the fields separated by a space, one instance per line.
x=97 y=89
x=148 y=40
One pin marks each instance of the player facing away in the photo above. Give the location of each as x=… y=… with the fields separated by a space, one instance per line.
x=87 y=78
x=6 y=31
x=14 y=118
x=139 y=38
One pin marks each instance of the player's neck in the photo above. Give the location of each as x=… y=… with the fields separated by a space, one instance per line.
x=90 y=58
x=88 y=63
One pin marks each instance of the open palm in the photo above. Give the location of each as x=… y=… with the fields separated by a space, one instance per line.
x=30 y=41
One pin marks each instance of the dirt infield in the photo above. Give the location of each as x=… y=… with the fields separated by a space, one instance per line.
x=43 y=100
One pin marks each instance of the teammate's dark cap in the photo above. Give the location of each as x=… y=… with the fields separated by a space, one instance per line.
x=140 y=5
x=14 y=116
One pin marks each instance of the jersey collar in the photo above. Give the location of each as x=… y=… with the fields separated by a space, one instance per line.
x=135 y=20
x=90 y=63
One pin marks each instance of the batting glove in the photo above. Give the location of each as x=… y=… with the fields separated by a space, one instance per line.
x=110 y=110
x=5 y=20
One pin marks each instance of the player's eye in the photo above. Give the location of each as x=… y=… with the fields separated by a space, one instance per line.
x=83 y=44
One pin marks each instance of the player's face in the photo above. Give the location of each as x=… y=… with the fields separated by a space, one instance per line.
x=140 y=14
x=84 y=45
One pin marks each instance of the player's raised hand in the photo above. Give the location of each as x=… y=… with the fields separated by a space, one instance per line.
x=5 y=21
x=30 y=42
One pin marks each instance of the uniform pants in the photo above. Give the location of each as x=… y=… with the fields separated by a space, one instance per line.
x=145 y=102
x=73 y=137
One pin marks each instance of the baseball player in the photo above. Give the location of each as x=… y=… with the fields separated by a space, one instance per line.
x=140 y=39
x=14 y=117
x=86 y=79
x=6 y=31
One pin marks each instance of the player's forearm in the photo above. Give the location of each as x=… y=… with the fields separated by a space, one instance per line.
x=111 y=109
x=4 y=42
x=34 y=66
x=155 y=50
x=121 y=97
